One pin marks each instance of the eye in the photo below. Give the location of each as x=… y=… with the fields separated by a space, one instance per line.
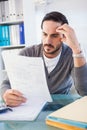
x=55 y=35
x=44 y=34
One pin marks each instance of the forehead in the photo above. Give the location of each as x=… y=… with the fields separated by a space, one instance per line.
x=50 y=26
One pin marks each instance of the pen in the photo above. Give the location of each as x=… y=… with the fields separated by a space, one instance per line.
x=10 y=109
x=4 y=109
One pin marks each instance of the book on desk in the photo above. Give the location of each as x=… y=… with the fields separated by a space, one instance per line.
x=72 y=116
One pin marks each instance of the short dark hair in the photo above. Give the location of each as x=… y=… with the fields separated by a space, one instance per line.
x=56 y=17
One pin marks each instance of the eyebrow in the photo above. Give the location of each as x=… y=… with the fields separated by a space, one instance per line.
x=51 y=34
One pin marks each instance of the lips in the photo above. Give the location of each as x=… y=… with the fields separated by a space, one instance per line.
x=48 y=45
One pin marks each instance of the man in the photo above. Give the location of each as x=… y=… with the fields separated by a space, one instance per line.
x=62 y=57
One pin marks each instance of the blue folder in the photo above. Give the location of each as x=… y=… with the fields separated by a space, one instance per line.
x=22 y=36
x=68 y=122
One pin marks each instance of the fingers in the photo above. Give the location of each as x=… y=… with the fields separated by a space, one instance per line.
x=14 y=103
x=69 y=36
x=15 y=92
x=13 y=98
x=63 y=29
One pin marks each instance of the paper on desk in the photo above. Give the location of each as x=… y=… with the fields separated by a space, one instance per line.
x=27 y=75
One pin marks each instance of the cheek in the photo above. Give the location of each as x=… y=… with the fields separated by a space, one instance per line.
x=43 y=39
x=61 y=37
x=58 y=42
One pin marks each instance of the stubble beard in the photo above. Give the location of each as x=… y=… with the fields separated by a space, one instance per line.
x=56 y=49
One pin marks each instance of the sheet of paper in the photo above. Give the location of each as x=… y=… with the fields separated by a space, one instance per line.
x=27 y=75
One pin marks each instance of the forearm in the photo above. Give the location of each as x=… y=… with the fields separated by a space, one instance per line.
x=78 y=57
x=80 y=79
x=4 y=86
x=78 y=62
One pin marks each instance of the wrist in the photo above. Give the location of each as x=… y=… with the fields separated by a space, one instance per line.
x=78 y=55
x=77 y=49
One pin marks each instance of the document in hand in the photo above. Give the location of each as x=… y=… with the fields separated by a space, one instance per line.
x=27 y=75
x=70 y=117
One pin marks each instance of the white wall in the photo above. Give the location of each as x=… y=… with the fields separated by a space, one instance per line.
x=74 y=10
x=29 y=22
x=40 y=11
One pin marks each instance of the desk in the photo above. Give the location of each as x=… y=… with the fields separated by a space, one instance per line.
x=39 y=123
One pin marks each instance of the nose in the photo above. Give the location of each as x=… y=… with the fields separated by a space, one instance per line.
x=48 y=40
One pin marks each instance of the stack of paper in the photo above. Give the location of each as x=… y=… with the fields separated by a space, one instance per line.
x=70 y=117
x=27 y=75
